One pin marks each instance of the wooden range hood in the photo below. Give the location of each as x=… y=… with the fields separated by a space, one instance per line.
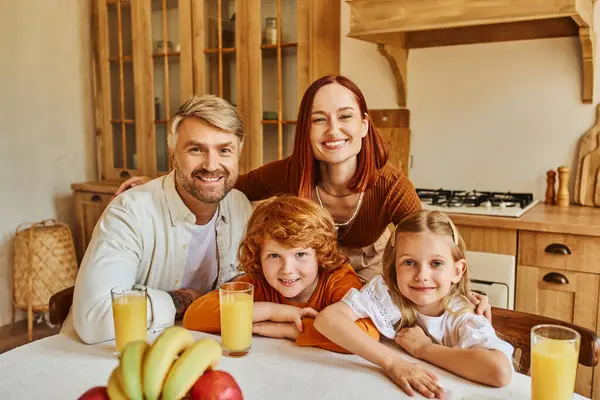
x=399 y=25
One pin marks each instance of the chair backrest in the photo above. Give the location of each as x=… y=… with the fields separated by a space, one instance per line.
x=59 y=305
x=515 y=328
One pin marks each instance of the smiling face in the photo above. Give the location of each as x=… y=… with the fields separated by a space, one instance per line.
x=292 y=271
x=425 y=269
x=337 y=124
x=205 y=160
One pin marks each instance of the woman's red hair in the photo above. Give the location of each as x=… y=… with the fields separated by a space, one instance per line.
x=303 y=165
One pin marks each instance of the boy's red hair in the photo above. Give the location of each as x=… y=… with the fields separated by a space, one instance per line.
x=303 y=165
x=294 y=222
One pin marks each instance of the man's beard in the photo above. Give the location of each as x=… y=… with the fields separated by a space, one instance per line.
x=208 y=197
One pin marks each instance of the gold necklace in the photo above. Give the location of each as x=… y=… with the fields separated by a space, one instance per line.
x=342 y=224
x=332 y=194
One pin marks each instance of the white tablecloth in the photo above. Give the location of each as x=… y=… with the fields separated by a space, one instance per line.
x=62 y=367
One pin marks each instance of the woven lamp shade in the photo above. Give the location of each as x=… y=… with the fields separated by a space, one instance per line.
x=44 y=264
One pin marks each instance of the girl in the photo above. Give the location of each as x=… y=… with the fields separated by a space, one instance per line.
x=421 y=303
x=290 y=255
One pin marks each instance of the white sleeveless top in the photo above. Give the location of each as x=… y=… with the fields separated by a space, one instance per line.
x=451 y=329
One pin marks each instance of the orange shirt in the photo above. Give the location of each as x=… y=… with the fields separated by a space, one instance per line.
x=204 y=313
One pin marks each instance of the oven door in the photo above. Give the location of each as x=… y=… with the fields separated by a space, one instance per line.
x=496 y=292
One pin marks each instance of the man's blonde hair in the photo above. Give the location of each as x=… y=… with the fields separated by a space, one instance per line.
x=211 y=109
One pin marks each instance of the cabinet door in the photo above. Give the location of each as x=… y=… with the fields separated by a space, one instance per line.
x=489 y=240
x=574 y=301
x=171 y=67
x=88 y=208
x=120 y=61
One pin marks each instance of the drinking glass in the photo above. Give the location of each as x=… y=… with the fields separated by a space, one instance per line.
x=236 y=300
x=554 y=358
x=129 y=314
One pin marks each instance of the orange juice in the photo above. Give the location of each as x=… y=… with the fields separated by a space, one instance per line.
x=553 y=369
x=236 y=322
x=129 y=313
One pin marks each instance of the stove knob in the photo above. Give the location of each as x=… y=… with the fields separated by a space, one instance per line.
x=486 y=204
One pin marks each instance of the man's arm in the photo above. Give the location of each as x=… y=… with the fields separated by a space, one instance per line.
x=182 y=299
x=112 y=259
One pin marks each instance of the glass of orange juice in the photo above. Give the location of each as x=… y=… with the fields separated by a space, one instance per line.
x=554 y=358
x=129 y=314
x=236 y=318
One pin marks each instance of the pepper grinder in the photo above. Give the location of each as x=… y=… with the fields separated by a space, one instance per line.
x=562 y=198
x=550 y=190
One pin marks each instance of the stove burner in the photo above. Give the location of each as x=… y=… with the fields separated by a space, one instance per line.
x=474 y=198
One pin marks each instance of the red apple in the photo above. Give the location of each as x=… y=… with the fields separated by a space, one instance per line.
x=216 y=385
x=95 y=393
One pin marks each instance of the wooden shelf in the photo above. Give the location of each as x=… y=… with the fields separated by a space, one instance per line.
x=399 y=25
x=274 y=46
x=161 y=122
x=216 y=50
x=274 y=122
x=120 y=121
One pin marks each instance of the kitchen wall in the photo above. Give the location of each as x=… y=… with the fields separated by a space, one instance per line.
x=488 y=116
x=46 y=118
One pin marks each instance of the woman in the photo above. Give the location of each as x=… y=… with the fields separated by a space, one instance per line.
x=339 y=161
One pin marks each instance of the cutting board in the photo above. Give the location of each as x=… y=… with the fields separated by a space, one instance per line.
x=587 y=144
x=589 y=176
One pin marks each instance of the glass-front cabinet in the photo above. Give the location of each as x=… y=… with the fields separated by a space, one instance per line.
x=151 y=55
x=143 y=64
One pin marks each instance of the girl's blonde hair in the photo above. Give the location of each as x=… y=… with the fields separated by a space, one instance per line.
x=293 y=222
x=421 y=222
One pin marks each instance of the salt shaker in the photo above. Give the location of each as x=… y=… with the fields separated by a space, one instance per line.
x=562 y=197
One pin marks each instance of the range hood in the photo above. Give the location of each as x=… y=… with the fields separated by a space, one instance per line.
x=399 y=25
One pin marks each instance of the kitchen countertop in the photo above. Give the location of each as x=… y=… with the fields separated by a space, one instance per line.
x=575 y=219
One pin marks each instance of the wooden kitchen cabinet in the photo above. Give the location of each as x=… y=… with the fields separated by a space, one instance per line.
x=151 y=55
x=558 y=276
x=489 y=239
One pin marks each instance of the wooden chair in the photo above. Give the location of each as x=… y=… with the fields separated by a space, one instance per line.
x=515 y=328
x=59 y=305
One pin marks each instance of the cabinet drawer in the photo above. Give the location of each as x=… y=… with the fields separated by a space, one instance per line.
x=559 y=251
x=100 y=199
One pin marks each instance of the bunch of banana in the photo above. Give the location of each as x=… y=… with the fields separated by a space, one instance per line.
x=153 y=372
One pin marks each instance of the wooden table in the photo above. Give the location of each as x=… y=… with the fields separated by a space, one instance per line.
x=62 y=367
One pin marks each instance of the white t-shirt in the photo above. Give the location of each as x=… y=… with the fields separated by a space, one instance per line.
x=464 y=330
x=201 y=267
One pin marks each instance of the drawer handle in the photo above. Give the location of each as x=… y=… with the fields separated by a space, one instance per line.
x=125 y=175
x=556 y=277
x=557 y=248
x=96 y=198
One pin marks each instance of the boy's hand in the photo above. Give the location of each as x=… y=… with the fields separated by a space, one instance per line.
x=413 y=340
x=411 y=377
x=286 y=313
x=276 y=330
x=482 y=304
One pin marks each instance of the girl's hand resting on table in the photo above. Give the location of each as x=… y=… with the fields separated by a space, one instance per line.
x=412 y=377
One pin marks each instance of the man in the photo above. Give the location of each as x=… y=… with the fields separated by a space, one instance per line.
x=178 y=234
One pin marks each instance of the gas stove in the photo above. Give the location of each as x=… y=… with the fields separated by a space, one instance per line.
x=475 y=202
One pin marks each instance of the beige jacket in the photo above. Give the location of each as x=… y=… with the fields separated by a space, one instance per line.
x=142 y=238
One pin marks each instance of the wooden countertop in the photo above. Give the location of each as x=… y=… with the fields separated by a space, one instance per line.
x=576 y=220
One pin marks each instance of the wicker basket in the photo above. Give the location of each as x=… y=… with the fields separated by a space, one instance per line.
x=44 y=264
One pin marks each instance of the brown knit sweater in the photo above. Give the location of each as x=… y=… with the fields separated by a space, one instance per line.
x=389 y=200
